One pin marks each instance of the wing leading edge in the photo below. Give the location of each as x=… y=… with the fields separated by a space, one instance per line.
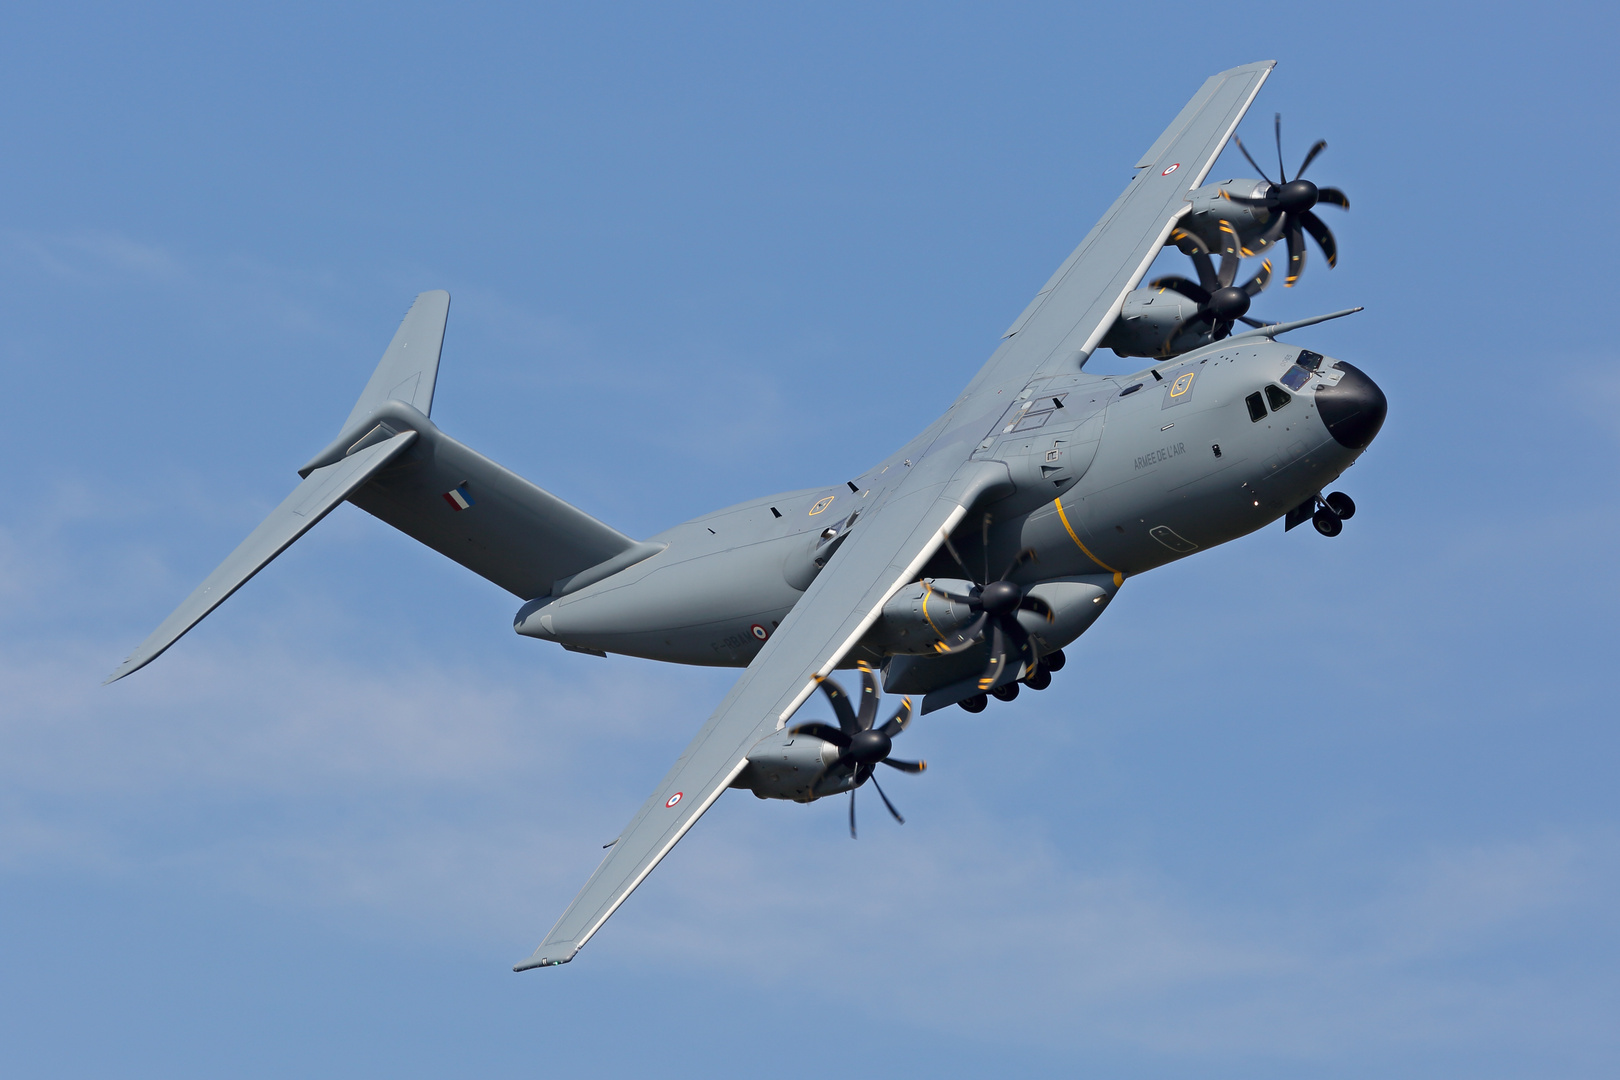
x=310 y=501
x=884 y=551
x=1062 y=326
x=910 y=519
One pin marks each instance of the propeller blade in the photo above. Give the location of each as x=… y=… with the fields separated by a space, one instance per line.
x=1038 y=606
x=945 y=594
x=900 y=720
x=1023 y=646
x=997 y=662
x=1013 y=634
x=1296 y=255
x=1222 y=328
x=985 y=540
x=1188 y=243
x=950 y=547
x=822 y=731
x=1256 y=323
x=1321 y=234
x=869 y=697
x=905 y=766
x=1280 y=171
x=1185 y=325
x=1208 y=279
x=1027 y=555
x=965 y=638
x=841 y=706
x=1310 y=156
x=1244 y=200
x=1333 y=197
x=887 y=803
x=1196 y=293
x=1260 y=280
x=1272 y=234
x=1256 y=164
x=1231 y=255
x=852 y=813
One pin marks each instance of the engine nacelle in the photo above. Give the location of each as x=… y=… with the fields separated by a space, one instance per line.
x=1148 y=318
x=788 y=766
x=1076 y=602
x=919 y=616
x=1210 y=208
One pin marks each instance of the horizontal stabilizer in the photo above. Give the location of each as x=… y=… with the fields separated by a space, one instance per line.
x=310 y=501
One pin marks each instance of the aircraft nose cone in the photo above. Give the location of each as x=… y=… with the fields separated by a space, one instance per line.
x=1354 y=409
x=1296 y=196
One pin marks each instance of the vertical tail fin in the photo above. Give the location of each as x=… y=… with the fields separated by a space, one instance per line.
x=410 y=367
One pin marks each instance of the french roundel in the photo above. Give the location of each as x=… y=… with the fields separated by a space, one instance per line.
x=759 y=632
x=1171 y=169
x=673 y=799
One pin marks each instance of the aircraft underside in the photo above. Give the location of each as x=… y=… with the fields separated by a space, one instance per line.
x=956 y=569
x=1123 y=475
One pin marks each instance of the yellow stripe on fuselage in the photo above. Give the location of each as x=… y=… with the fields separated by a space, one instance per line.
x=1058 y=502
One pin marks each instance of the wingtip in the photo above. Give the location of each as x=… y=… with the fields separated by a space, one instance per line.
x=540 y=962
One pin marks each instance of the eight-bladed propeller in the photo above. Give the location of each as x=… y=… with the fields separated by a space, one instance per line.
x=863 y=747
x=996 y=605
x=1220 y=302
x=1292 y=201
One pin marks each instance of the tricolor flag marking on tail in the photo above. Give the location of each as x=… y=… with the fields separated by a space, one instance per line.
x=458 y=498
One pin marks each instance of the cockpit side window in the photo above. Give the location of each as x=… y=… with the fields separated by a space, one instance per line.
x=1278 y=397
x=1257 y=408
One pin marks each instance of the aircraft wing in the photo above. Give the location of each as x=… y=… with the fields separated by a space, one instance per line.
x=911 y=514
x=1069 y=316
x=885 y=550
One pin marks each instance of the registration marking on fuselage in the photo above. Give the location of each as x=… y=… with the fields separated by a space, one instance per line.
x=1163 y=453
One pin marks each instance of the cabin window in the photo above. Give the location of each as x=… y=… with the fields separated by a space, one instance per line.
x=1257 y=408
x=1277 y=396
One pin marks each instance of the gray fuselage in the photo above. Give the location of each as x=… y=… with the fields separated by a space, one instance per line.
x=1117 y=476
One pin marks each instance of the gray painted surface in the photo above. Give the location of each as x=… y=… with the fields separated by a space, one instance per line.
x=1068 y=482
x=311 y=500
x=903 y=528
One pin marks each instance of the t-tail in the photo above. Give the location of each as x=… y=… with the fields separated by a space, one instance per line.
x=391 y=461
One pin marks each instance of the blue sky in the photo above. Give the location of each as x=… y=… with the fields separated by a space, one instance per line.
x=1296 y=806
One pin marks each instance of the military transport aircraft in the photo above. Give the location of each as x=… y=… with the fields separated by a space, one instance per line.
x=958 y=567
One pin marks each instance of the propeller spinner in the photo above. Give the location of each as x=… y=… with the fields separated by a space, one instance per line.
x=1220 y=301
x=1293 y=201
x=996 y=605
x=862 y=745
